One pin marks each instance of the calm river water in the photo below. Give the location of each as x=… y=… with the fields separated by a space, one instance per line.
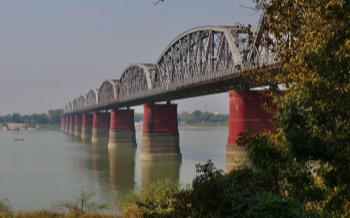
x=52 y=166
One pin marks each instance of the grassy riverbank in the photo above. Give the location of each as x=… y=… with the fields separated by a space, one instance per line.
x=51 y=214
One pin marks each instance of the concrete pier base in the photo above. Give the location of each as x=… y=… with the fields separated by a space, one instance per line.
x=100 y=128
x=245 y=111
x=160 y=136
x=62 y=123
x=99 y=135
x=160 y=147
x=122 y=129
x=86 y=127
x=66 y=125
x=122 y=138
x=71 y=125
x=78 y=126
x=234 y=155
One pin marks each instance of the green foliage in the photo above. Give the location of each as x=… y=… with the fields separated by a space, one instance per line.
x=308 y=157
x=138 y=117
x=205 y=117
x=196 y=113
x=272 y=206
x=155 y=200
x=220 y=118
x=54 y=115
x=240 y=193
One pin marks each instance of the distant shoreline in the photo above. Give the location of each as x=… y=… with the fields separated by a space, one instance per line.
x=137 y=127
x=26 y=126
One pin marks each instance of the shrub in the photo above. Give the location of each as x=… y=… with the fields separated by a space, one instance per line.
x=155 y=200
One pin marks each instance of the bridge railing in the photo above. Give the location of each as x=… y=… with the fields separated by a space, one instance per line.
x=207 y=77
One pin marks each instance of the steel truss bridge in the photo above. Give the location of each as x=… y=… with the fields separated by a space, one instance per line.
x=200 y=61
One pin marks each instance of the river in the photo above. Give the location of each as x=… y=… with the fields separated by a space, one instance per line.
x=52 y=166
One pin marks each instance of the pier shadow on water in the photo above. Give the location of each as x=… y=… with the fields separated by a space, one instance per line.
x=153 y=170
x=116 y=168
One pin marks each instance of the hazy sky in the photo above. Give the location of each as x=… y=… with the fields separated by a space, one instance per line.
x=52 y=51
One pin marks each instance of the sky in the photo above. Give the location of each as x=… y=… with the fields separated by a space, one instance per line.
x=53 y=51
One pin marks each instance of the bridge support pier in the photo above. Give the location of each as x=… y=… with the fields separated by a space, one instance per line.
x=122 y=129
x=62 y=123
x=160 y=135
x=77 y=125
x=100 y=127
x=86 y=127
x=245 y=110
x=71 y=124
x=66 y=124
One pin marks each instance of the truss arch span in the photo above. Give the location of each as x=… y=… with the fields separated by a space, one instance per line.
x=202 y=50
x=75 y=104
x=92 y=97
x=70 y=106
x=66 y=108
x=138 y=77
x=108 y=91
x=82 y=101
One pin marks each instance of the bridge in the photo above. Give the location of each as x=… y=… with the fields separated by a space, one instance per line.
x=201 y=61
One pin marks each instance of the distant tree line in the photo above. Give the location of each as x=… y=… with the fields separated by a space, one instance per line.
x=138 y=117
x=53 y=117
x=195 y=117
x=198 y=116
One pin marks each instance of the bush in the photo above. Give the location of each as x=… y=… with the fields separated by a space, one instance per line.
x=155 y=200
x=240 y=193
x=82 y=204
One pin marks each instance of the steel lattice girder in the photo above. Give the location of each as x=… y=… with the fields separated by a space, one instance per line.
x=193 y=54
x=92 y=97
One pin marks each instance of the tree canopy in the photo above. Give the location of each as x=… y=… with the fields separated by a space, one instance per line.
x=308 y=157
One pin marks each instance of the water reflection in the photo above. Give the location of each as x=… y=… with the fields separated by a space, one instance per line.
x=122 y=169
x=114 y=169
x=153 y=170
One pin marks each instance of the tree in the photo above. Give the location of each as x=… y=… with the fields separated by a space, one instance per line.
x=309 y=157
x=242 y=193
x=7 y=118
x=220 y=118
x=205 y=116
x=196 y=113
x=54 y=115
x=138 y=117
x=40 y=118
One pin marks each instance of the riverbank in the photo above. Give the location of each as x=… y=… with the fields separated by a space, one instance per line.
x=28 y=126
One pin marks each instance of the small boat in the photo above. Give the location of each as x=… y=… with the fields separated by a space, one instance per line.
x=19 y=140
